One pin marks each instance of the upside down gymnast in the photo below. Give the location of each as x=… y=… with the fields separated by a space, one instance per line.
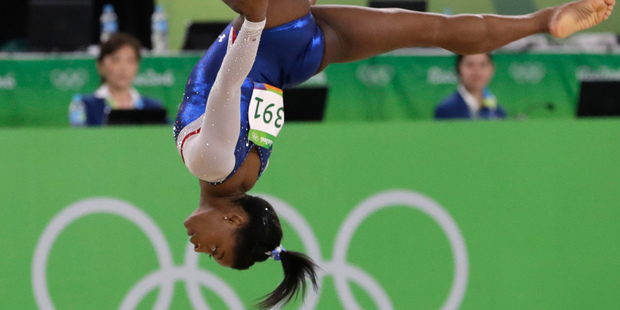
x=232 y=109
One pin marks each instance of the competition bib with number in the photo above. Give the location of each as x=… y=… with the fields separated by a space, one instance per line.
x=266 y=114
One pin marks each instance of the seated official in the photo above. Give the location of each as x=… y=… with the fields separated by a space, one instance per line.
x=117 y=66
x=472 y=99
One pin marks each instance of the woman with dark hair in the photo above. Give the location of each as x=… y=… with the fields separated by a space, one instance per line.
x=472 y=98
x=232 y=109
x=117 y=65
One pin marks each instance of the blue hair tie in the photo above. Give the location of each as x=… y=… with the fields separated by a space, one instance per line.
x=275 y=254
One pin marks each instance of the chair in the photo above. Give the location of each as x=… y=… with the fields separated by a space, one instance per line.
x=200 y=35
x=59 y=25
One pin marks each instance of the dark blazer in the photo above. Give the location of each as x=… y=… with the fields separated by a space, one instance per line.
x=454 y=107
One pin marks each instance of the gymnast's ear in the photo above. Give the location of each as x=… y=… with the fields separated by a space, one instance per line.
x=236 y=218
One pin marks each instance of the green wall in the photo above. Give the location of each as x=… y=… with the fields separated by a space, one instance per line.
x=524 y=213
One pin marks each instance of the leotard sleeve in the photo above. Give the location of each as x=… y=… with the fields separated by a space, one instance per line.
x=210 y=154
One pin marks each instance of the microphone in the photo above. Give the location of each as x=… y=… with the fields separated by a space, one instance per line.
x=525 y=114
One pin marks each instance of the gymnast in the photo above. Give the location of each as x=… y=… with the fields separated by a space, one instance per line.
x=232 y=109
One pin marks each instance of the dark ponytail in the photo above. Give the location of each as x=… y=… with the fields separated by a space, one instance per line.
x=257 y=239
x=297 y=267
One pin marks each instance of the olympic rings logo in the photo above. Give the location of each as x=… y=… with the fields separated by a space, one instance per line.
x=527 y=72
x=69 y=79
x=193 y=276
x=375 y=75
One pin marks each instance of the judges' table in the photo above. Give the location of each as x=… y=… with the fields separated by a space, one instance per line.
x=35 y=90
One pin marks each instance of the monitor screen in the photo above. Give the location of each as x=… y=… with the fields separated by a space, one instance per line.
x=599 y=98
x=305 y=103
x=138 y=117
x=400 y=4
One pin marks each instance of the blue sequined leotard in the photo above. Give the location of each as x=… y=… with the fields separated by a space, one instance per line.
x=288 y=55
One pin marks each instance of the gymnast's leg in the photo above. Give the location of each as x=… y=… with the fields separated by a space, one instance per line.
x=354 y=33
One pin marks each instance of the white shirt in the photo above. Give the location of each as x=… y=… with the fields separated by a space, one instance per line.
x=472 y=103
x=103 y=92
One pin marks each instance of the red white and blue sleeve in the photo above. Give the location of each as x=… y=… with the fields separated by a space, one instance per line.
x=210 y=154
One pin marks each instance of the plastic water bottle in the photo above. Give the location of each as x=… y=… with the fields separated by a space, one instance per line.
x=159 y=30
x=77 y=112
x=109 y=22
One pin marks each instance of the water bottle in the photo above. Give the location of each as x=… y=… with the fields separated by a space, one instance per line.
x=109 y=22
x=159 y=30
x=77 y=112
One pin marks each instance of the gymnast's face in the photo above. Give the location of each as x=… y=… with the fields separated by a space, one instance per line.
x=214 y=232
x=119 y=68
x=476 y=71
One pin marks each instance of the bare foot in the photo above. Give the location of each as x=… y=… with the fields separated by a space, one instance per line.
x=579 y=15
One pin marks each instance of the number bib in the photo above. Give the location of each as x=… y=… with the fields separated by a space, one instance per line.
x=266 y=114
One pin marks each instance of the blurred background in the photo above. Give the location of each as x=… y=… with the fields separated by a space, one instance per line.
x=48 y=50
x=517 y=214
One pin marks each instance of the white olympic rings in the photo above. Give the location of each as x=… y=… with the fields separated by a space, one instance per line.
x=193 y=276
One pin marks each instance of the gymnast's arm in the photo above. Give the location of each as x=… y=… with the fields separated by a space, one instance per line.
x=210 y=155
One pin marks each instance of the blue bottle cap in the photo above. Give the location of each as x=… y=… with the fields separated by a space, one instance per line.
x=159 y=8
x=77 y=97
x=108 y=8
